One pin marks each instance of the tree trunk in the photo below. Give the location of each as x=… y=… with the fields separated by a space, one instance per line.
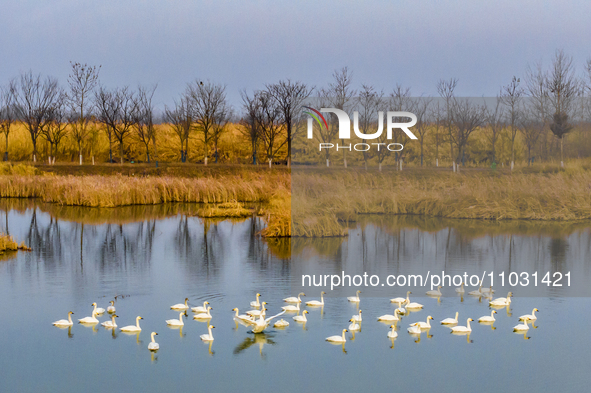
x=121 y=150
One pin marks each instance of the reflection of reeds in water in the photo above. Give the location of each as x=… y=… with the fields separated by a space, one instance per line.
x=325 y=202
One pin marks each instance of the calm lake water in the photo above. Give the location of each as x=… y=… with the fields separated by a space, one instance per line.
x=157 y=256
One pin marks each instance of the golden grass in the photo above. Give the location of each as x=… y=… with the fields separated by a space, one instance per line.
x=325 y=201
x=231 y=209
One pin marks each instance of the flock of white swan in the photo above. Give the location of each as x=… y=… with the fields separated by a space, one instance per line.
x=257 y=320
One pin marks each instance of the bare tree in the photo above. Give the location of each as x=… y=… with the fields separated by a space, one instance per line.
x=437 y=116
x=511 y=97
x=368 y=103
x=57 y=127
x=248 y=123
x=563 y=88
x=538 y=100
x=220 y=126
x=495 y=119
x=143 y=118
x=400 y=100
x=339 y=94
x=420 y=108
x=207 y=103
x=467 y=117
x=107 y=112
x=290 y=97
x=269 y=125
x=531 y=127
x=82 y=80
x=7 y=112
x=446 y=91
x=181 y=121
x=34 y=99
x=127 y=108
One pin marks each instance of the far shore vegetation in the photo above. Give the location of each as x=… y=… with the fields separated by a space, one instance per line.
x=524 y=154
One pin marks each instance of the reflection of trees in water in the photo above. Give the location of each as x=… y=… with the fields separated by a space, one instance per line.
x=199 y=250
x=558 y=249
x=124 y=247
x=272 y=253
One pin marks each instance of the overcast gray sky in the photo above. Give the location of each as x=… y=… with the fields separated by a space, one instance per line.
x=245 y=44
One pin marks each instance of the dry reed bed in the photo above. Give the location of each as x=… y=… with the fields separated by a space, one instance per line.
x=112 y=191
x=322 y=202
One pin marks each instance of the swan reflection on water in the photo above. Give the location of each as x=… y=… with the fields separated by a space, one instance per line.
x=260 y=338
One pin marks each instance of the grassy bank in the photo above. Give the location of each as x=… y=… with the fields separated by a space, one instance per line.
x=313 y=202
x=324 y=202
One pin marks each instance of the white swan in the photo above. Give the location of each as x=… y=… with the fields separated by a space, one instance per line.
x=256 y=303
x=354 y=299
x=261 y=324
x=392 y=333
x=461 y=288
x=209 y=336
x=354 y=326
x=401 y=310
x=293 y=299
x=258 y=313
x=301 y=318
x=199 y=309
x=281 y=323
x=316 y=303
x=111 y=308
x=414 y=306
x=424 y=325
x=450 y=321
x=477 y=292
x=435 y=292
x=153 y=346
x=204 y=315
x=357 y=318
x=414 y=329
x=462 y=329
x=291 y=308
x=176 y=322
x=89 y=320
x=501 y=301
x=337 y=339
x=110 y=324
x=181 y=306
x=486 y=318
x=401 y=299
x=133 y=328
x=98 y=310
x=241 y=317
x=488 y=290
x=389 y=317
x=521 y=327
x=64 y=322
x=531 y=317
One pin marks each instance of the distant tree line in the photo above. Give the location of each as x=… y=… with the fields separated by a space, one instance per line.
x=529 y=118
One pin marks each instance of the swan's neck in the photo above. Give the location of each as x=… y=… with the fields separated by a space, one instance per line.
x=457 y=313
x=181 y=317
x=344 y=334
x=153 y=338
x=322 y=298
x=492 y=314
x=94 y=309
x=137 y=322
x=468 y=324
x=428 y=322
x=533 y=313
x=236 y=312
x=209 y=330
x=69 y=318
x=113 y=320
